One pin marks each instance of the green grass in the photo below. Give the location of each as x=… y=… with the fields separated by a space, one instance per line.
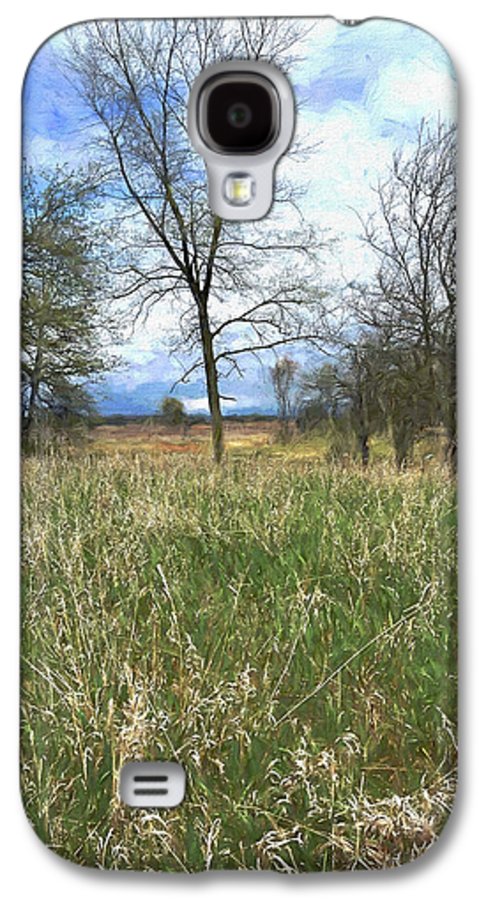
x=171 y=610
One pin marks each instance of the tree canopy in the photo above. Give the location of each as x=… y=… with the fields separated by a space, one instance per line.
x=64 y=315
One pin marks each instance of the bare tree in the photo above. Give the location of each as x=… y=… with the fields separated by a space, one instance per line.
x=357 y=375
x=411 y=303
x=236 y=289
x=319 y=396
x=285 y=385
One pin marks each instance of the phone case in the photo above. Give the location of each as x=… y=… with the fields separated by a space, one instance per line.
x=239 y=453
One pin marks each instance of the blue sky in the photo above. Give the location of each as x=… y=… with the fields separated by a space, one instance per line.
x=364 y=90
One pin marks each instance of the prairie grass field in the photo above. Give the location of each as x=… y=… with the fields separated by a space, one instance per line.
x=285 y=628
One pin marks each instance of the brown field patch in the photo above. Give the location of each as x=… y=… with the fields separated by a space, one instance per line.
x=159 y=438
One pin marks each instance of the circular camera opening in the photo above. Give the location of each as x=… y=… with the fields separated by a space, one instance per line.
x=239 y=115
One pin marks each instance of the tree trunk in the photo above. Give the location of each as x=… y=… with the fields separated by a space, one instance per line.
x=284 y=430
x=364 y=435
x=29 y=415
x=402 y=441
x=33 y=395
x=212 y=387
x=365 y=450
x=452 y=416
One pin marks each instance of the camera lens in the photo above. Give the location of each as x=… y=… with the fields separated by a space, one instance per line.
x=238 y=113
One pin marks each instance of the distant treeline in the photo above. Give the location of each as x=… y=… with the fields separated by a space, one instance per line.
x=190 y=418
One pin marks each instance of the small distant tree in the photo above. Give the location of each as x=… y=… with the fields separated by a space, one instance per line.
x=284 y=376
x=173 y=412
x=358 y=378
x=403 y=388
x=320 y=397
x=386 y=389
x=350 y=388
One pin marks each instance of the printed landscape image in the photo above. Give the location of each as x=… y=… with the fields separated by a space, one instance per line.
x=239 y=454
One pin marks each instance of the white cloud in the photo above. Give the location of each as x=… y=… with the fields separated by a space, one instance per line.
x=419 y=89
x=196 y=404
x=313 y=48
